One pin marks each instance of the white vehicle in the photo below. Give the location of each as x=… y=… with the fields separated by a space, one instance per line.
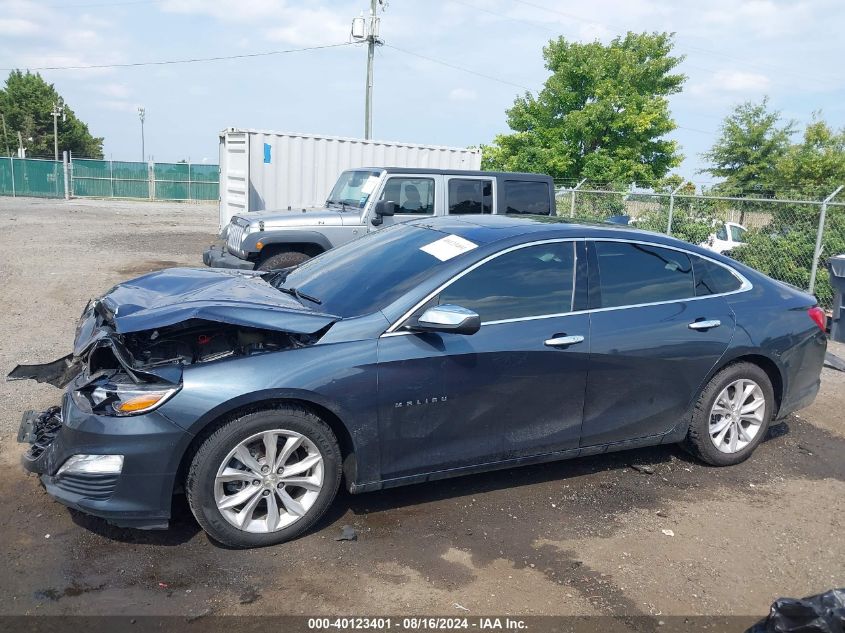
x=728 y=236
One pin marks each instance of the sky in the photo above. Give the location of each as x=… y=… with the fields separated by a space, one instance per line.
x=446 y=75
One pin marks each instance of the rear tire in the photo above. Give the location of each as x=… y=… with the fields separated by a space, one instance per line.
x=243 y=500
x=732 y=415
x=288 y=259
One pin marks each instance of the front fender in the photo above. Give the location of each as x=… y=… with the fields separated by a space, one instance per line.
x=338 y=377
x=285 y=236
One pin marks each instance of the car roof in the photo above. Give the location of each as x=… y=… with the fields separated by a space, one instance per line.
x=508 y=175
x=487 y=229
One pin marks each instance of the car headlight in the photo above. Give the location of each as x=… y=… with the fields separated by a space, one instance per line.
x=124 y=399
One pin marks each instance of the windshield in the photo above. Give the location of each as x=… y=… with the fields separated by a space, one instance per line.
x=367 y=274
x=353 y=188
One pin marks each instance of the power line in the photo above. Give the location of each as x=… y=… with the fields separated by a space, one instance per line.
x=504 y=81
x=456 y=67
x=194 y=60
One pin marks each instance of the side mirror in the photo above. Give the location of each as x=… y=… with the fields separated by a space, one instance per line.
x=383 y=208
x=448 y=318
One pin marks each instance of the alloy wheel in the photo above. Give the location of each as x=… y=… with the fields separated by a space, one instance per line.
x=269 y=481
x=737 y=415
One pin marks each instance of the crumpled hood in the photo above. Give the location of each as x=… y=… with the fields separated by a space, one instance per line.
x=170 y=296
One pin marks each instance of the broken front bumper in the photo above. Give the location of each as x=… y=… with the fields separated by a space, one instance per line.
x=139 y=495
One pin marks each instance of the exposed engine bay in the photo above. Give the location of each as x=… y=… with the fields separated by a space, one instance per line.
x=158 y=355
x=146 y=330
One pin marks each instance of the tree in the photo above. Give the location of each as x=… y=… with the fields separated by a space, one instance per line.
x=27 y=101
x=750 y=144
x=785 y=247
x=816 y=166
x=601 y=115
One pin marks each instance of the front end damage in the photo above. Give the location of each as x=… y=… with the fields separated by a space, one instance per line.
x=131 y=348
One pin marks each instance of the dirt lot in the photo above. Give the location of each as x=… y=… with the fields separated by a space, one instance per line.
x=579 y=537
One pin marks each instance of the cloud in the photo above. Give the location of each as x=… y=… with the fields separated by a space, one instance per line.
x=294 y=24
x=114 y=90
x=18 y=27
x=462 y=94
x=732 y=81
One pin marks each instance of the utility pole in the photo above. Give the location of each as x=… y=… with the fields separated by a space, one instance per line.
x=5 y=138
x=142 y=113
x=58 y=111
x=369 y=33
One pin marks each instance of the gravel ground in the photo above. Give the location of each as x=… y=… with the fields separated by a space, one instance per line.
x=590 y=536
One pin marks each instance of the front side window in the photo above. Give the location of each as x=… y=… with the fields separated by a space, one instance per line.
x=639 y=273
x=532 y=281
x=470 y=196
x=528 y=197
x=413 y=196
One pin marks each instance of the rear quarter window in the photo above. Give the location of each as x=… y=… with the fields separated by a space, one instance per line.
x=713 y=279
x=527 y=197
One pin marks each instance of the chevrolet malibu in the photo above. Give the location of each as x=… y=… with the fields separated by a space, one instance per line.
x=427 y=350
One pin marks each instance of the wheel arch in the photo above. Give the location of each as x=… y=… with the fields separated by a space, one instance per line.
x=275 y=248
x=264 y=401
x=773 y=369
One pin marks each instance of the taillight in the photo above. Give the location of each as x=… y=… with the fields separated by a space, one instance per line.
x=818 y=316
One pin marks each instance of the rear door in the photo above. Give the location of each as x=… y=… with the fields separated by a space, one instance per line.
x=514 y=388
x=654 y=340
x=470 y=195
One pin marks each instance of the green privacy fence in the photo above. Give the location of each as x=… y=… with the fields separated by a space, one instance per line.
x=31 y=177
x=109 y=179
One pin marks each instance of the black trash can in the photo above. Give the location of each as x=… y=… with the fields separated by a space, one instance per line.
x=836 y=266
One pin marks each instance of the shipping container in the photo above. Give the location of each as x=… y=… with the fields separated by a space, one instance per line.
x=262 y=170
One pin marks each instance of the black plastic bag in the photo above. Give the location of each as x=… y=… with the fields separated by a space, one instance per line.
x=823 y=613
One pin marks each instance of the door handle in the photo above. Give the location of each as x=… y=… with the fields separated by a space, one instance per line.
x=705 y=325
x=564 y=341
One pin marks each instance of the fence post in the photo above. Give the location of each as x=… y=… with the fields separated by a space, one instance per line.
x=672 y=207
x=111 y=177
x=12 y=164
x=818 y=251
x=572 y=202
x=189 y=181
x=151 y=184
x=66 y=172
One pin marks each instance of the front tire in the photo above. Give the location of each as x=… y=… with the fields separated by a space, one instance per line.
x=264 y=478
x=288 y=259
x=732 y=415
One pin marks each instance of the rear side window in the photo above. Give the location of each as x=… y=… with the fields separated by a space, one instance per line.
x=531 y=281
x=638 y=273
x=713 y=279
x=522 y=196
x=470 y=196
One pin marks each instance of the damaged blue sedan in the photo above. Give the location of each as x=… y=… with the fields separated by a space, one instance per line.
x=426 y=350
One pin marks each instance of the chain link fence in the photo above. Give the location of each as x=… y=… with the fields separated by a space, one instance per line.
x=787 y=239
x=108 y=179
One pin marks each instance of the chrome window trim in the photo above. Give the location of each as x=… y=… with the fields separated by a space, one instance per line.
x=745 y=284
x=419 y=304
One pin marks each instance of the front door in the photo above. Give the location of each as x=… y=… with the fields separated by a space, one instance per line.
x=514 y=388
x=414 y=197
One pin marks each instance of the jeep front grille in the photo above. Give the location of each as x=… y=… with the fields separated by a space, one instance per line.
x=233 y=239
